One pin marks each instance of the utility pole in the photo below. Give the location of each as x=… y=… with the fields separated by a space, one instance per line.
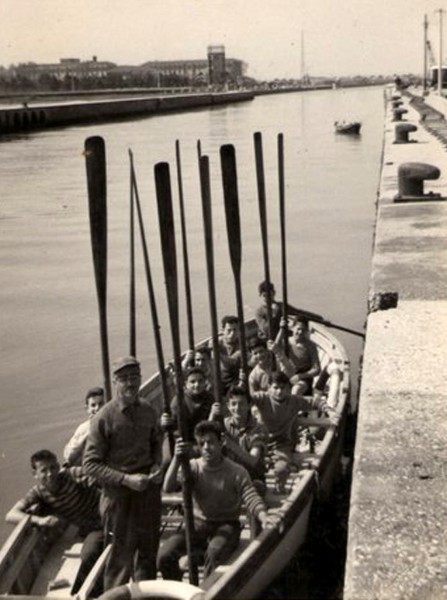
x=424 y=80
x=302 y=57
x=440 y=11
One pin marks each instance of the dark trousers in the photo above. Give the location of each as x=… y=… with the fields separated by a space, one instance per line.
x=217 y=540
x=132 y=523
x=92 y=548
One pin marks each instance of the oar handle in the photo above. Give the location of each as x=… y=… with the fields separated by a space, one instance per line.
x=205 y=189
x=263 y=222
x=95 y=162
x=189 y=313
x=132 y=298
x=282 y=220
x=169 y=256
x=152 y=304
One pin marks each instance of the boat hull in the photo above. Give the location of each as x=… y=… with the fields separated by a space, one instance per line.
x=254 y=567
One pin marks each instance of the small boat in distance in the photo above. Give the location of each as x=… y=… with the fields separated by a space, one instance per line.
x=348 y=127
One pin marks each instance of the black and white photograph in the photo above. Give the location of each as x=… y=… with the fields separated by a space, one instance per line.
x=223 y=257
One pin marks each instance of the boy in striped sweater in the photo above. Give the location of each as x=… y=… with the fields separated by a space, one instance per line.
x=62 y=497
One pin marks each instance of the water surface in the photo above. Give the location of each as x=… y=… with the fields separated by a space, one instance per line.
x=50 y=352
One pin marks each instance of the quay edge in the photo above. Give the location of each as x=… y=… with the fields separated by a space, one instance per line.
x=397 y=544
x=42 y=115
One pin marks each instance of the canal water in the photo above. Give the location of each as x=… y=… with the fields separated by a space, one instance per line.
x=50 y=351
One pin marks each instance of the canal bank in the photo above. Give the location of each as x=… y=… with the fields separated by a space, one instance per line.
x=397 y=545
x=43 y=115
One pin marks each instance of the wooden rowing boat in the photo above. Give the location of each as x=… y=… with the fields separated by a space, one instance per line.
x=35 y=564
x=350 y=128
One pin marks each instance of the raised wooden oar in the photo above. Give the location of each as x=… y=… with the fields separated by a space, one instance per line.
x=209 y=254
x=327 y=323
x=167 y=239
x=153 y=305
x=189 y=314
x=95 y=162
x=132 y=301
x=263 y=221
x=282 y=220
x=231 y=198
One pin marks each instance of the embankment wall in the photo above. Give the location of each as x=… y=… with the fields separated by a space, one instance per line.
x=39 y=116
x=397 y=542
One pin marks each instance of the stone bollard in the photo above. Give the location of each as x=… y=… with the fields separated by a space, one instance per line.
x=401 y=131
x=398 y=112
x=411 y=178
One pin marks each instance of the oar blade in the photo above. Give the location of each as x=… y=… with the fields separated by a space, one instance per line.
x=95 y=161
x=231 y=199
x=167 y=238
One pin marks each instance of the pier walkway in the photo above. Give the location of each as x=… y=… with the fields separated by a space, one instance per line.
x=397 y=546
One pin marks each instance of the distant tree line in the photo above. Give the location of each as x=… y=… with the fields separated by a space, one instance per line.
x=50 y=83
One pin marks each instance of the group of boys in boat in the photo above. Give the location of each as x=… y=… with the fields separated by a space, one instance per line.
x=116 y=464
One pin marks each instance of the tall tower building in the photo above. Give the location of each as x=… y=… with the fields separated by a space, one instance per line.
x=216 y=64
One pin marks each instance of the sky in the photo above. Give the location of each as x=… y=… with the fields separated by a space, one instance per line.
x=340 y=37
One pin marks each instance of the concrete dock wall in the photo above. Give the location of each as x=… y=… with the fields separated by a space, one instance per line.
x=69 y=113
x=397 y=544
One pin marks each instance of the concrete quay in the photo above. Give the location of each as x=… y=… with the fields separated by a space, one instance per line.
x=42 y=115
x=397 y=543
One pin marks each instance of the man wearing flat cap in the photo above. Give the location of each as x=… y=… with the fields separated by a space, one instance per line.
x=123 y=453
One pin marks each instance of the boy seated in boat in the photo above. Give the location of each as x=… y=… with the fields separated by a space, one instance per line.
x=267 y=357
x=201 y=357
x=62 y=497
x=229 y=352
x=245 y=439
x=304 y=356
x=278 y=409
x=267 y=292
x=94 y=400
x=219 y=488
x=199 y=404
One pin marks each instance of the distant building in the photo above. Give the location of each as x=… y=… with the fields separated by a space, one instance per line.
x=216 y=69
x=65 y=68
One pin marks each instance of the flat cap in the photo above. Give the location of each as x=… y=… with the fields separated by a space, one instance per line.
x=125 y=362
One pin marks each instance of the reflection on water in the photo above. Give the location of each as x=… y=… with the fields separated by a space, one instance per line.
x=50 y=352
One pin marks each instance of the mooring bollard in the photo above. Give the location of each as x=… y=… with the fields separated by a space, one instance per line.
x=398 y=112
x=396 y=103
x=401 y=131
x=411 y=177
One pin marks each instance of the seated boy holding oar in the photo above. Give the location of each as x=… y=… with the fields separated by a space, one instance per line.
x=267 y=292
x=278 y=410
x=245 y=438
x=229 y=352
x=304 y=356
x=198 y=403
x=219 y=488
x=267 y=357
x=201 y=357
x=63 y=497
